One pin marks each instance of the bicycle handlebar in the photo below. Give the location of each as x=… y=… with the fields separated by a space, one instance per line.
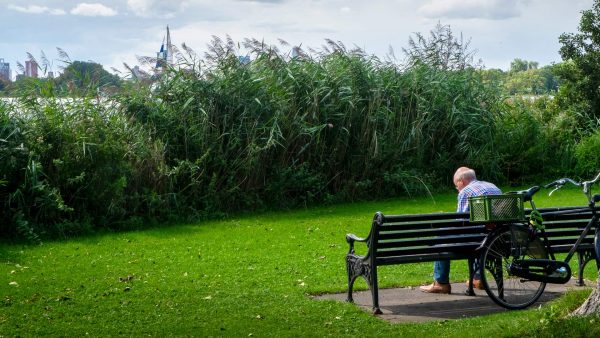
x=559 y=183
x=585 y=184
x=588 y=184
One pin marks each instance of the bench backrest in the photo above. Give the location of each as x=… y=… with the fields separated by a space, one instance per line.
x=427 y=237
x=565 y=225
x=423 y=237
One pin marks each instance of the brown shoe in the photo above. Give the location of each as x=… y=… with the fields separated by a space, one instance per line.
x=436 y=288
x=477 y=284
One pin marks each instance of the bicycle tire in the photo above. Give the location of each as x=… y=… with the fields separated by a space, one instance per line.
x=504 y=289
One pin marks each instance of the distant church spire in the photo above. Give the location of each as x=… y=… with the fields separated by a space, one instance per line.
x=165 y=56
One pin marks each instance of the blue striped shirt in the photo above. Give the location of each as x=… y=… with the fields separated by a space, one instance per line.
x=475 y=188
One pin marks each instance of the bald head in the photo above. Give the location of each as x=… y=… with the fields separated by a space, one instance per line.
x=463 y=176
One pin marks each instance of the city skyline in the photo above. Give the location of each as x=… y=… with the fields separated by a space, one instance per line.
x=111 y=32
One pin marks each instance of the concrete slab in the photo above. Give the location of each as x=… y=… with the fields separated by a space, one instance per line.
x=401 y=305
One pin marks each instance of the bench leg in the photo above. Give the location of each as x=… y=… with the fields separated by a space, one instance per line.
x=582 y=259
x=470 y=291
x=353 y=268
x=357 y=267
x=372 y=278
x=581 y=266
x=351 y=280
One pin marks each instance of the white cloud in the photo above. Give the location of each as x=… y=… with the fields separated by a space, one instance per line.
x=471 y=9
x=33 y=9
x=95 y=9
x=157 y=8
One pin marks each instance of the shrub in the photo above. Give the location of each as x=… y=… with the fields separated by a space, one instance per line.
x=535 y=140
x=588 y=157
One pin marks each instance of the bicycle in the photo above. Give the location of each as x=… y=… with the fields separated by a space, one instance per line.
x=515 y=266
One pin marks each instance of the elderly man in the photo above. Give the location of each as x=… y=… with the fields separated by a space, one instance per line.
x=467 y=185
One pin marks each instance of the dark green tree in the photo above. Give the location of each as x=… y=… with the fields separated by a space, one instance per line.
x=518 y=65
x=551 y=81
x=582 y=51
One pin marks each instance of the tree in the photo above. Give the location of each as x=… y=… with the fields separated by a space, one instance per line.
x=493 y=77
x=81 y=78
x=518 y=65
x=551 y=81
x=583 y=50
x=528 y=82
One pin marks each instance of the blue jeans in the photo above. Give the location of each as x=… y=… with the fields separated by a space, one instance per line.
x=441 y=271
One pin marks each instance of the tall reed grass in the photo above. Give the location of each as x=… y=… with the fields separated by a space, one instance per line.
x=215 y=135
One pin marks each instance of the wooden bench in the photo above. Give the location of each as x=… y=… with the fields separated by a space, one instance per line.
x=401 y=239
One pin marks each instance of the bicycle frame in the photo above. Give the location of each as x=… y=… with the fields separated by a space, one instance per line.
x=517 y=259
x=594 y=222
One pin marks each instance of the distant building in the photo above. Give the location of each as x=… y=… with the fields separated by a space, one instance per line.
x=138 y=73
x=244 y=60
x=51 y=75
x=295 y=52
x=31 y=69
x=5 y=70
x=164 y=57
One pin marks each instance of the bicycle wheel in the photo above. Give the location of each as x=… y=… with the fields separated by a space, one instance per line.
x=504 y=289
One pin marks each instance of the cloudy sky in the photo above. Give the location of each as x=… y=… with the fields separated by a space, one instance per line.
x=111 y=32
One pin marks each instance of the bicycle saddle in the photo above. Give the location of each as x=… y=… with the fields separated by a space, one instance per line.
x=527 y=194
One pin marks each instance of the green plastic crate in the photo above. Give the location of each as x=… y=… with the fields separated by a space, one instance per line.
x=496 y=208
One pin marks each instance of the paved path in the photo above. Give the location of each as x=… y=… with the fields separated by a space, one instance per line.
x=411 y=305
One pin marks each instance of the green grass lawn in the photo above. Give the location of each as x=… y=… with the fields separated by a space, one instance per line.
x=250 y=275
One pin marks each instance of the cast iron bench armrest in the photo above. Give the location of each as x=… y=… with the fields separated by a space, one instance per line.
x=351 y=238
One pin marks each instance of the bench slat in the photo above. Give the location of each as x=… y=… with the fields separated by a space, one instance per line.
x=568 y=241
x=567 y=224
x=432 y=241
x=424 y=225
x=566 y=233
x=460 y=248
x=567 y=247
x=422 y=258
x=425 y=217
x=433 y=232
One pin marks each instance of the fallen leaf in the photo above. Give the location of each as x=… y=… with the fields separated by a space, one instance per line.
x=126 y=279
